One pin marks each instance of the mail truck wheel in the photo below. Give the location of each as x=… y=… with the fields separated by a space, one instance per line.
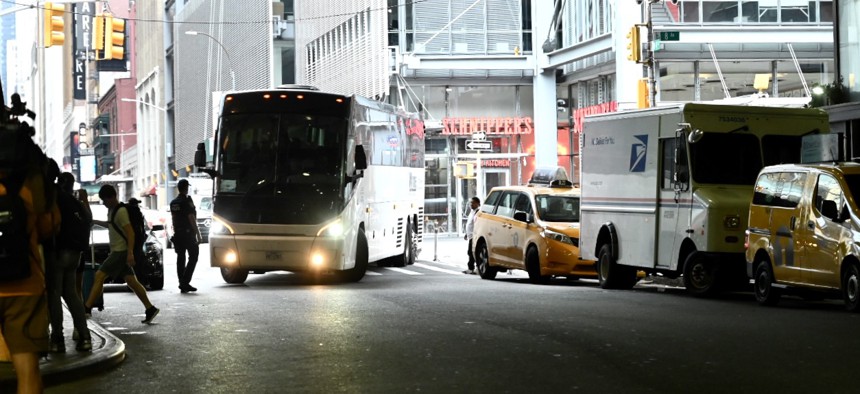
x=700 y=275
x=533 y=267
x=610 y=274
x=851 y=288
x=765 y=292
x=482 y=262
x=234 y=275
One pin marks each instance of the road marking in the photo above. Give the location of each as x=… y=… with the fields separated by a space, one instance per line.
x=403 y=271
x=430 y=267
x=372 y=273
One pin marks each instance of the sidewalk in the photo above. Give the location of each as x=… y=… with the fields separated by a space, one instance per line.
x=449 y=249
x=108 y=350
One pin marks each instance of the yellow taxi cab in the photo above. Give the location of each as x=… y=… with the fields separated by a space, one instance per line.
x=804 y=232
x=533 y=228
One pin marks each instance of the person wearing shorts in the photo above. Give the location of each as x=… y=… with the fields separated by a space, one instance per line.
x=119 y=263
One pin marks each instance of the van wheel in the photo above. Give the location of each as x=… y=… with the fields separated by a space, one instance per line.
x=851 y=288
x=765 y=292
x=533 y=267
x=356 y=273
x=482 y=262
x=700 y=275
x=234 y=275
x=610 y=274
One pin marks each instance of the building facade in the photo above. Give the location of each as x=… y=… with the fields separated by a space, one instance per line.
x=842 y=97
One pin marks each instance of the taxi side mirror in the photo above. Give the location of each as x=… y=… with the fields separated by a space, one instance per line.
x=522 y=216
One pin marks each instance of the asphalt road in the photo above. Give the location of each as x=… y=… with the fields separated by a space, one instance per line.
x=431 y=329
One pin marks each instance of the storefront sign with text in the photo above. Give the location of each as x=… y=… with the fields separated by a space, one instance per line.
x=580 y=114
x=469 y=126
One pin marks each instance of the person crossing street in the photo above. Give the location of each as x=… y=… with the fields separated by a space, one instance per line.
x=186 y=237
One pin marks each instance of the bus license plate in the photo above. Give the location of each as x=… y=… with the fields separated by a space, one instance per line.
x=273 y=256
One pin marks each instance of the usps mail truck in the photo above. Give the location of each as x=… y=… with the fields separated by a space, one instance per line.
x=667 y=190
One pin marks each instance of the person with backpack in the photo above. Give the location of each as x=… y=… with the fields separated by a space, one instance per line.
x=186 y=235
x=123 y=253
x=28 y=215
x=70 y=243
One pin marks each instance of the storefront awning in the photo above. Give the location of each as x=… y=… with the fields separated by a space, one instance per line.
x=111 y=178
x=150 y=190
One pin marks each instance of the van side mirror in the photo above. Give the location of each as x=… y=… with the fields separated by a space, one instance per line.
x=829 y=210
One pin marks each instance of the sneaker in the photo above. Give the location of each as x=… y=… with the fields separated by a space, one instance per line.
x=57 y=345
x=186 y=288
x=190 y=288
x=469 y=272
x=84 y=345
x=150 y=314
x=474 y=272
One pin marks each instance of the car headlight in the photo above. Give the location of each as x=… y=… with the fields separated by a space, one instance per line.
x=549 y=234
x=333 y=229
x=220 y=227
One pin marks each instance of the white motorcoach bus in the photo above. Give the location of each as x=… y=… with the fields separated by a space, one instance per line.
x=309 y=181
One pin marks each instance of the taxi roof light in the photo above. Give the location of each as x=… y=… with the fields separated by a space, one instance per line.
x=550 y=176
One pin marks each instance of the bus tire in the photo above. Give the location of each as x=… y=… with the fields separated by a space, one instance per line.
x=700 y=275
x=410 y=247
x=234 y=275
x=356 y=273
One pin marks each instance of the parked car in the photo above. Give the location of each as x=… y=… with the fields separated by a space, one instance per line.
x=155 y=218
x=150 y=274
x=204 y=217
x=804 y=233
x=533 y=228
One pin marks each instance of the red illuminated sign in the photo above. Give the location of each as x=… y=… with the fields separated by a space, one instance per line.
x=469 y=126
x=580 y=114
x=496 y=163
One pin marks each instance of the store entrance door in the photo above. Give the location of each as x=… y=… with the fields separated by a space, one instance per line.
x=492 y=178
x=470 y=187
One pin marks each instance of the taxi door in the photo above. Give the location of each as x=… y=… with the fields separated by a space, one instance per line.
x=499 y=234
x=821 y=266
x=519 y=231
x=787 y=232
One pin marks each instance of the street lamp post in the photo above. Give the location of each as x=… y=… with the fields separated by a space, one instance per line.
x=229 y=61
x=168 y=193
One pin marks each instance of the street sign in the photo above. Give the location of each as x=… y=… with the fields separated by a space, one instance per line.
x=479 y=145
x=479 y=136
x=669 y=36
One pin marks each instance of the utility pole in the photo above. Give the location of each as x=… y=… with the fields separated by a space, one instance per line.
x=649 y=45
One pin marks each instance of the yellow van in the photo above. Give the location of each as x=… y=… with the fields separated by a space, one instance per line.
x=533 y=228
x=804 y=232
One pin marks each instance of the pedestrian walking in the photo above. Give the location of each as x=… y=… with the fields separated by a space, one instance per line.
x=69 y=245
x=120 y=261
x=186 y=236
x=30 y=215
x=470 y=228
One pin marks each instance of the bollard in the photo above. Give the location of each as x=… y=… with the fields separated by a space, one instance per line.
x=435 y=244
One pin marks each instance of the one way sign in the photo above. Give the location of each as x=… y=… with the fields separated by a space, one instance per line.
x=479 y=145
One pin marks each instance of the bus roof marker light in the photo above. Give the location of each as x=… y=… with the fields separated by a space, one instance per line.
x=229 y=98
x=300 y=96
x=267 y=96
x=283 y=96
x=340 y=100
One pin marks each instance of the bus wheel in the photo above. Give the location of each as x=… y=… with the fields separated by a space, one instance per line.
x=533 y=267
x=410 y=247
x=355 y=274
x=234 y=275
x=700 y=275
x=482 y=262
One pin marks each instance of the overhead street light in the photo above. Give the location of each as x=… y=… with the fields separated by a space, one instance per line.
x=229 y=61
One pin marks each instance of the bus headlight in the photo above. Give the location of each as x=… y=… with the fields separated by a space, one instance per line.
x=317 y=259
x=333 y=229
x=732 y=221
x=220 y=227
x=230 y=257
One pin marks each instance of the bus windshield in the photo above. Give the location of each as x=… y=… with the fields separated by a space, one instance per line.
x=281 y=167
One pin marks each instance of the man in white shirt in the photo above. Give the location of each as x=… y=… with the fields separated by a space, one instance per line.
x=470 y=227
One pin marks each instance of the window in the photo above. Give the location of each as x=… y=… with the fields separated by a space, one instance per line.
x=506 y=205
x=828 y=190
x=489 y=204
x=782 y=190
x=667 y=156
x=523 y=204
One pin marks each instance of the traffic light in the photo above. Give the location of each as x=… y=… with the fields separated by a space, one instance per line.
x=114 y=41
x=464 y=170
x=634 y=47
x=54 y=24
x=99 y=34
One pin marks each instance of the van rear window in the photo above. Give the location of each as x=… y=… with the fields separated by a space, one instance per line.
x=779 y=189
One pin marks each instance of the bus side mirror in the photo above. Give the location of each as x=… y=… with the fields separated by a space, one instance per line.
x=360 y=158
x=200 y=155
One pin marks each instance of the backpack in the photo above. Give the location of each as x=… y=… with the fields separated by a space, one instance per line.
x=138 y=226
x=75 y=223
x=15 y=168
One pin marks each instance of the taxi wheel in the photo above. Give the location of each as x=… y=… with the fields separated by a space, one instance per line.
x=851 y=288
x=700 y=275
x=234 y=275
x=533 y=267
x=610 y=274
x=765 y=292
x=482 y=262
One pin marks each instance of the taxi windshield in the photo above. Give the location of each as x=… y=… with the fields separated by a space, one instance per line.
x=558 y=208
